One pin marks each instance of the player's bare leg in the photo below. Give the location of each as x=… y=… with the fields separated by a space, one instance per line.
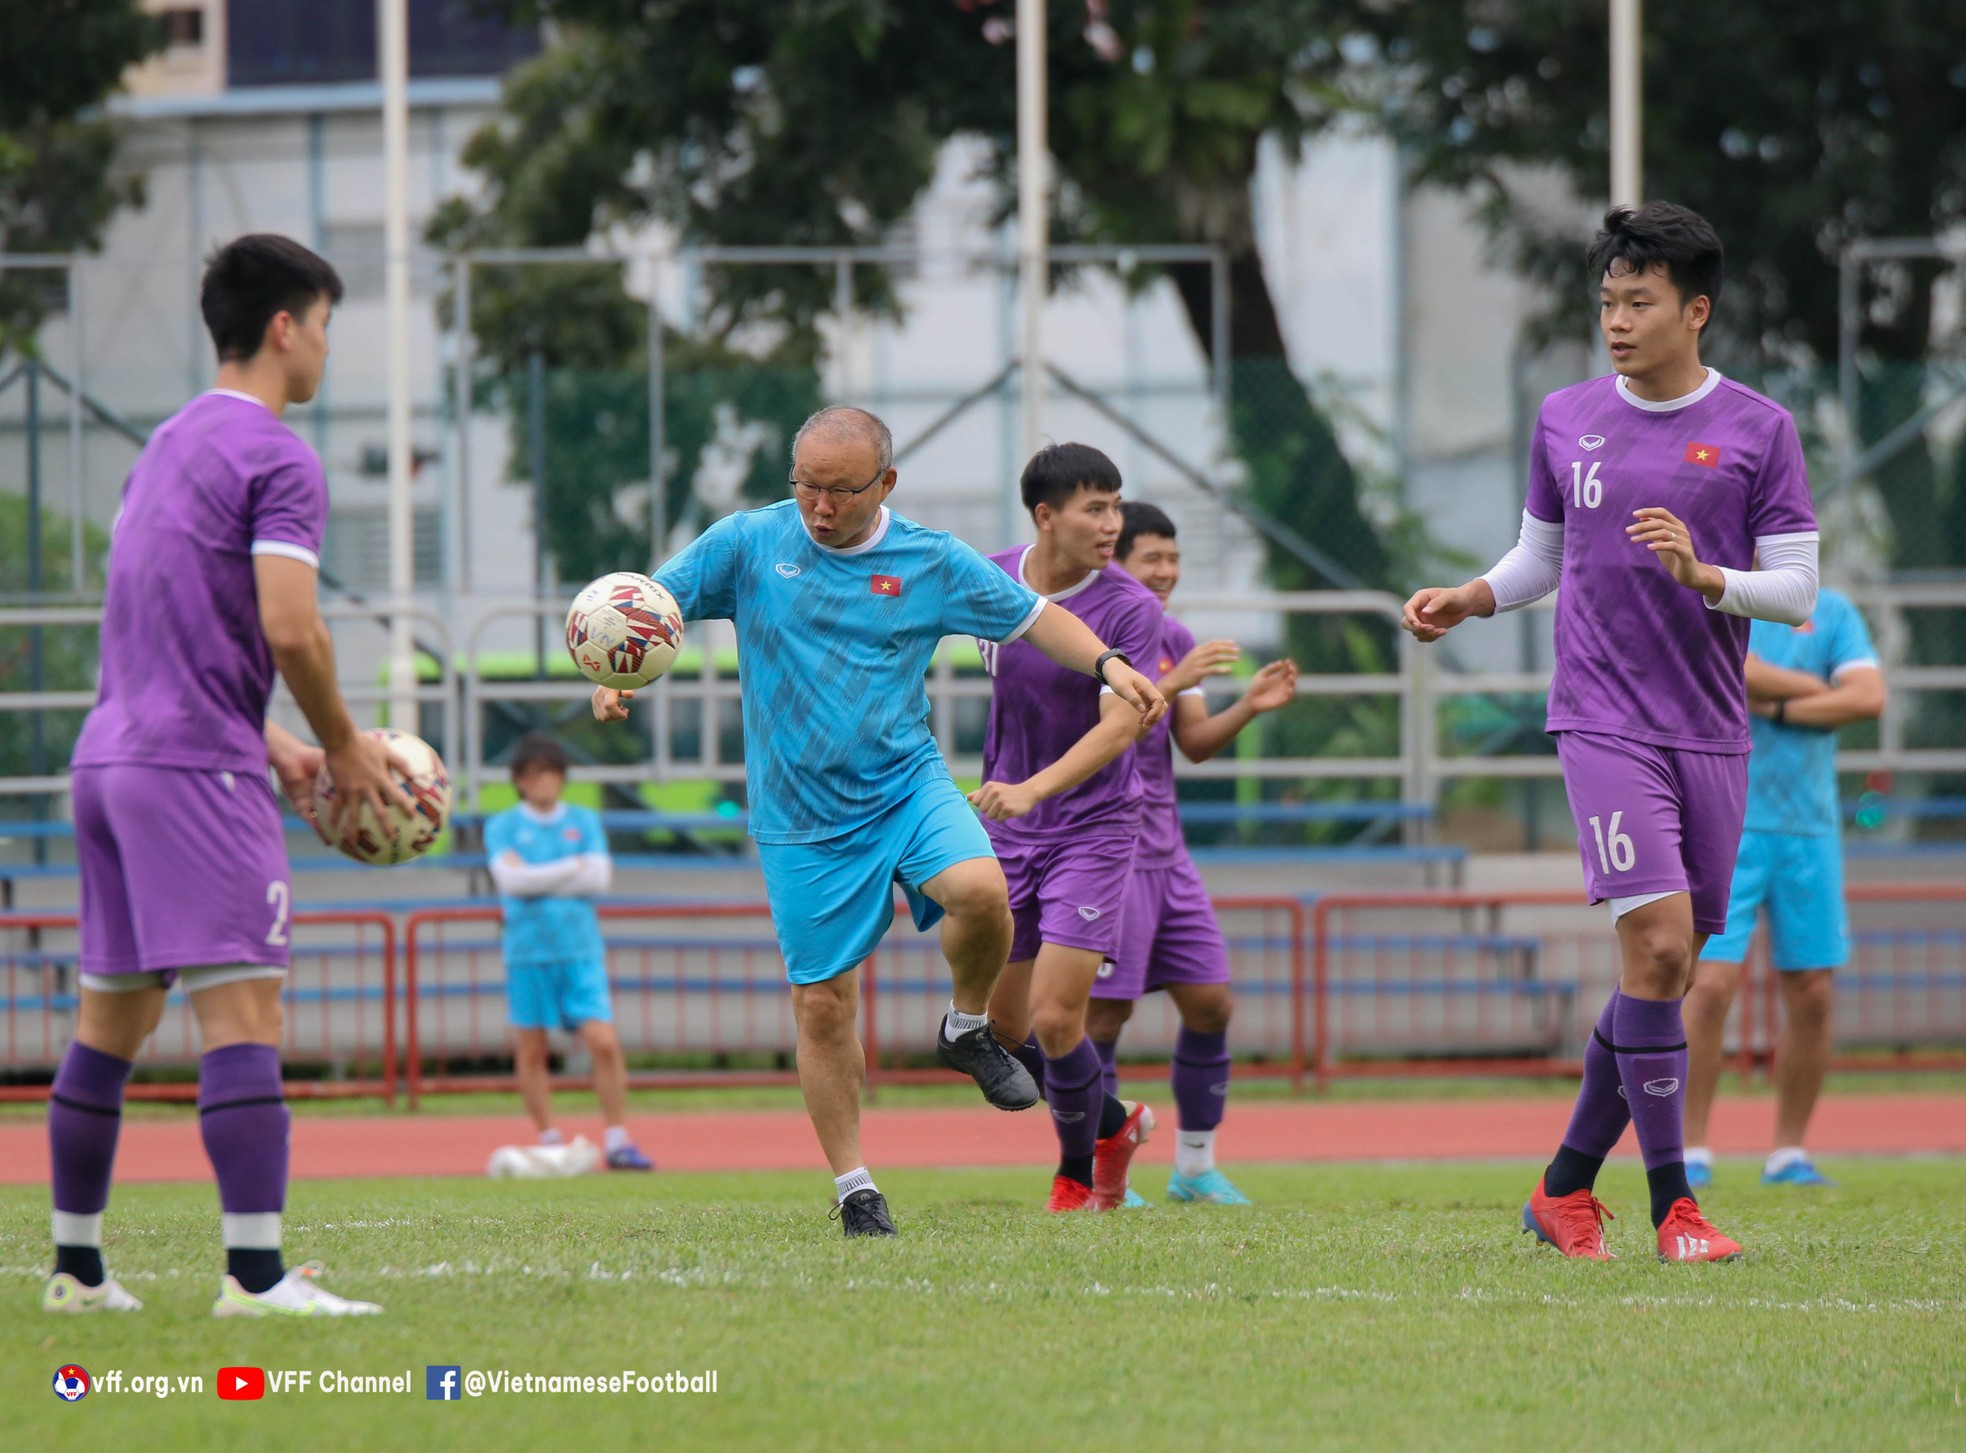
x=832 y=1064
x=1803 y=1052
x=975 y=928
x=530 y=1055
x=976 y=935
x=611 y=1089
x=1705 y=1012
x=832 y=1073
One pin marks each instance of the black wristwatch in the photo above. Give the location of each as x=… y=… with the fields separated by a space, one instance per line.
x=1099 y=666
x=1781 y=711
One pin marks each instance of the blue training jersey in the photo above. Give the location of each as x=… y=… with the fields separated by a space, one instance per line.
x=833 y=651
x=1792 y=774
x=549 y=929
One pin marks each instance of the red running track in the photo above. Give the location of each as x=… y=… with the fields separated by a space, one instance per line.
x=437 y=1144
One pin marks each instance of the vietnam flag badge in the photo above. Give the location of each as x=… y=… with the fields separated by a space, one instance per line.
x=1703 y=454
x=884 y=585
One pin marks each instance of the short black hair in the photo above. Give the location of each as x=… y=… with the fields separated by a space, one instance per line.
x=1138 y=518
x=537 y=749
x=1660 y=232
x=250 y=280
x=1057 y=472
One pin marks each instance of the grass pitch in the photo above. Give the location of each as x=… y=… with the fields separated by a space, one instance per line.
x=1359 y=1307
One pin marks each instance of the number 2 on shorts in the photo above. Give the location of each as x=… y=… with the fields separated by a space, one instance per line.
x=278 y=898
x=1621 y=853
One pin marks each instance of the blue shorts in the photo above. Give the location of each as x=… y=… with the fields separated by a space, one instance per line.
x=833 y=901
x=557 y=996
x=1800 y=881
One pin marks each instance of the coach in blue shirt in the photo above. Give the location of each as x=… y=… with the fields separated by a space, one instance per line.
x=1803 y=683
x=839 y=605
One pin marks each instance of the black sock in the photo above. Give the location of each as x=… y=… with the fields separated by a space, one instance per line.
x=1572 y=1170
x=1668 y=1184
x=1112 y=1115
x=1077 y=1168
x=256 y=1268
x=84 y=1263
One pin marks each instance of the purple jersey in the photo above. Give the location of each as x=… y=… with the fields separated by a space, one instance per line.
x=1161 y=843
x=1638 y=655
x=186 y=671
x=1039 y=710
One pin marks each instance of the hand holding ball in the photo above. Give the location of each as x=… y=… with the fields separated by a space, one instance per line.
x=396 y=834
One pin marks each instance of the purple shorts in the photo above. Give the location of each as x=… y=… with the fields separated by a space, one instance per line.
x=1069 y=892
x=180 y=869
x=1656 y=820
x=1168 y=935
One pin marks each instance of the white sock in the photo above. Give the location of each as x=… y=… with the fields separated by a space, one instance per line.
x=259 y=1230
x=1783 y=1158
x=1699 y=1155
x=550 y=1136
x=857 y=1179
x=74 y=1228
x=1194 y=1152
x=614 y=1138
x=956 y=1023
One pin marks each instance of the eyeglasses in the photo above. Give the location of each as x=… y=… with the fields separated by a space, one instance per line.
x=838 y=494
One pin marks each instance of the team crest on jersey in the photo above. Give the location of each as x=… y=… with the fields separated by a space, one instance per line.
x=1591 y=441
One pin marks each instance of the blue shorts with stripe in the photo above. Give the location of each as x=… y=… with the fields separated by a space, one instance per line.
x=833 y=901
x=1799 y=880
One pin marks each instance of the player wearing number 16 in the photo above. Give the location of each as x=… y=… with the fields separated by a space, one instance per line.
x=839 y=605
x=1651 y=491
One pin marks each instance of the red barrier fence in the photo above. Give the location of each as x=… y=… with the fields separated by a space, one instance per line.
x=1484 y=983
x=339 y=1000
x=1367 y=984
x=703 y=986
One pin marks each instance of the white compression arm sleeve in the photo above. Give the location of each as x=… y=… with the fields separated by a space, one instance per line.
x=1532 y=569
x=527 y=880
x=1782 y=590
x=593 y=875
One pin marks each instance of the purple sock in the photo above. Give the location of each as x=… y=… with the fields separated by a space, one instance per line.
x=1074 y=1094
x=1600 y=1114
x=1201 y=1078
x=243 y=1117
x=85 y=1112
x=1031 y=1057
x=1109 y=1078
x=1651 y=1043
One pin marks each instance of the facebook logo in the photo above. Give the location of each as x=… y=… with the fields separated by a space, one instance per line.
x=441 y=1384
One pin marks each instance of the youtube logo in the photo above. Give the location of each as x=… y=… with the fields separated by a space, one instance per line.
x=241 y=1384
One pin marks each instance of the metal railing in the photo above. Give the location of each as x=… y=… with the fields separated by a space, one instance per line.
x=1424 y=683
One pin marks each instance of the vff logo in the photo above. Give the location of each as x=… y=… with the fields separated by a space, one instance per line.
x=441 y=1384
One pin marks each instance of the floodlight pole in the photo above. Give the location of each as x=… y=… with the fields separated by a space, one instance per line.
x=393 y=55
x=1627 y=103
x=1033 y=212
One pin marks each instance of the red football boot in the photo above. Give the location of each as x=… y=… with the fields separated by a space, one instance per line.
x=1112 y=1156
x=1573 y=1224
x=1686 y=1235
x=1070 y=1195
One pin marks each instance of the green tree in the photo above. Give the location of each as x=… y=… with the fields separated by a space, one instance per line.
x=37 y=742
x=770 y=121
x=57 y=64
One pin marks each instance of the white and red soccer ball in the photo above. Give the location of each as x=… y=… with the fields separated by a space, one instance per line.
x=397 y=836
x=624 y=631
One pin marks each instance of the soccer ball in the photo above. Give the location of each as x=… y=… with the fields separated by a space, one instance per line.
x=544 y=1162
x=403 y=835
x=624 y=631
